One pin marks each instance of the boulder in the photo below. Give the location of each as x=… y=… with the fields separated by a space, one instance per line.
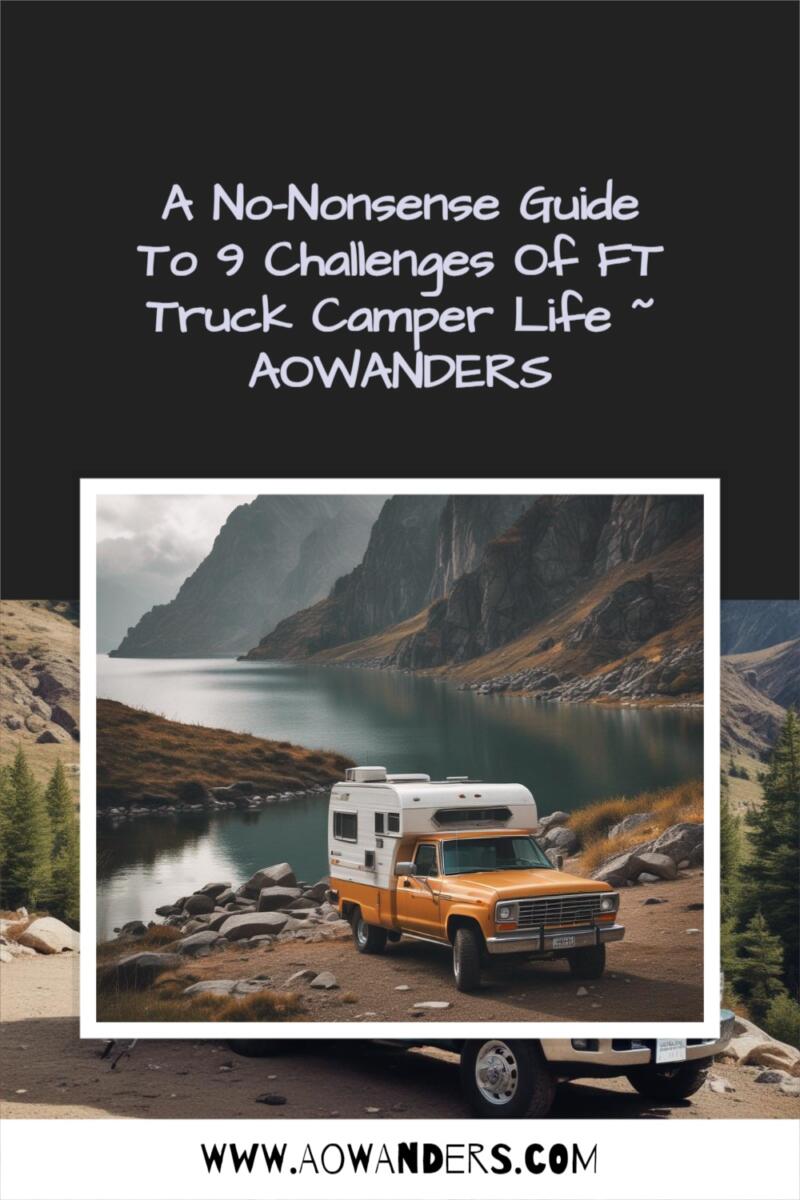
x=750 y=1045
x=5 y=955
x=138 y=970
x=133 y=928
x=271 y=898
x=54 y=734
x=197 y=945
x=629 y=823
x=246 y=925
x=224 y=898
x=553 y=819
x=679 y=841
x=167 y=910
x=49 y=936
x=218 y=987
x=214 y=890
x=302 y=903
x=279 y=875
x=325 y=980
x=304 y=976
x=695 y=859
x=660 y=865
x=560 y=838
x=198 y=903
x=218 y=920
x=318 y=890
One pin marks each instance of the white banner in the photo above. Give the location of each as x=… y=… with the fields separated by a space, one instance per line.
x=604 y=1160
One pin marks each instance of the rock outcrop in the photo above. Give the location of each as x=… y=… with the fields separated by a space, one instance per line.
x=272 y=556
x=39 y=674
x=559 y=546
x=390 y=584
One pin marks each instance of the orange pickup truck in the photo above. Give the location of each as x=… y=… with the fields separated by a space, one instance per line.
x=456 y=863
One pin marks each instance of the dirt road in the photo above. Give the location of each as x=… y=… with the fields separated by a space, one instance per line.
x=656 y=971
x=49 y=1072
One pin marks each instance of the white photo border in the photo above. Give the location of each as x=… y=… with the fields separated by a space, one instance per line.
x=709 y=489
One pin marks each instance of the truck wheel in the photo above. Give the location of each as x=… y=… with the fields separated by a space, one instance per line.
x=369 y=939
x=588 y=963
x=670 y=1083
x=506 y=1079
x=467 y=959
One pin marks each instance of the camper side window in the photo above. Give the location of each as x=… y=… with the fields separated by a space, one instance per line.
x=379 y=822
x=345 y=826
x=393 y=822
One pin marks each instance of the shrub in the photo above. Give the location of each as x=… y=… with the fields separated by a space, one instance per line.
x=783 y=1020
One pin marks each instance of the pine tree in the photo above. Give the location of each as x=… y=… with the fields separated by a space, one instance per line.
x=730 y=853
x=64 y=890
x=26 y=870
x=773 y=872
x=6 y=794
x=759 y=967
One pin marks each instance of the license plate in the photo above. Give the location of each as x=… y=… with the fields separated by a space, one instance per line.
x=567 y=940
x=670 y=1050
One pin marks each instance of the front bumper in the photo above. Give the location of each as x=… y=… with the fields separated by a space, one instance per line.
x=536 y=941
x=620 y=1053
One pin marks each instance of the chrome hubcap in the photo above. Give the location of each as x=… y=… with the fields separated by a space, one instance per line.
x=496 y=1073
x=361 y=930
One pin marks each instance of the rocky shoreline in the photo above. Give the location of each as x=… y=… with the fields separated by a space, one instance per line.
x=637 y=683
x=242 y=795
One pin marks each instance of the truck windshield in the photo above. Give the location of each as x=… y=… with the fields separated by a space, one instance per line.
x=469 y=855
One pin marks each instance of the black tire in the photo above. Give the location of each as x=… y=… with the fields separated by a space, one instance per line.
x=369 y=939
x=670 y=1083
x=587 y=963
x=257 y=1047
x=467 y=955
x=524 y=1084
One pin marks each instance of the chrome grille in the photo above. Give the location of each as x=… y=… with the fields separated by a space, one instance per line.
x=559 y=910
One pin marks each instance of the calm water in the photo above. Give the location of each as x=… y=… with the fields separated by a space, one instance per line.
x=567 y=755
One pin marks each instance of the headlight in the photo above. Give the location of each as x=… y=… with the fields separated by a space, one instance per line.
x=609 y=903
x=506 y=912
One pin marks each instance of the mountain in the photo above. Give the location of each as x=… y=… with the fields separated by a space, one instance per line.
x=271 y=557
x=388 y=585
x=39 y=684
x=579 y=597
x=755 y=624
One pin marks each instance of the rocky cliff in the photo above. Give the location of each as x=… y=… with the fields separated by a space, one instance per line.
x=271 y=557
x=755 y=624
x=557 y=549
x=389 y=584
x=466 y=525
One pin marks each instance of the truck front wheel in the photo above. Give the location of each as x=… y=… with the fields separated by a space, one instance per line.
x=467 y=952
x=369 y=939
x=588 y=963
x=506 y=1079
x=670 y=1083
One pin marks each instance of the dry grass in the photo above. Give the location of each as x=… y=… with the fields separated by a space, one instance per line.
x=138 y=752
x=669 y=806
x=165 y=1003
x=158 y=937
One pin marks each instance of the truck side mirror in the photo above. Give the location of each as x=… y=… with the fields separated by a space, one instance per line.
x=405 y=868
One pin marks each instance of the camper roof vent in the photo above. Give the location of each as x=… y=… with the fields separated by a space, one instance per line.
x=457 y=779
x=408 y=778
x=366 y=775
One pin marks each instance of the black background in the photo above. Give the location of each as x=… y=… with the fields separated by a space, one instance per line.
x=691 y=107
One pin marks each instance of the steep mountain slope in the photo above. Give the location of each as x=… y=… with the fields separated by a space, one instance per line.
x=466 y=525
x=39 y=684
x=390 y=584
x=272 y=556
x=750 y=721
x=559 y=549
x=755 y=624
x=775 y=671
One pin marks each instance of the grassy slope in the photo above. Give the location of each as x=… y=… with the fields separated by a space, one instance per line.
x=31 y=623
x=139 y=752
x=678 y=562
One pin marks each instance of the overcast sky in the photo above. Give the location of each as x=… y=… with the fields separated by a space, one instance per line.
x=146 y=546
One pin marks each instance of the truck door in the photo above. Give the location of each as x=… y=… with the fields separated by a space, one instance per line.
x=418 y=904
